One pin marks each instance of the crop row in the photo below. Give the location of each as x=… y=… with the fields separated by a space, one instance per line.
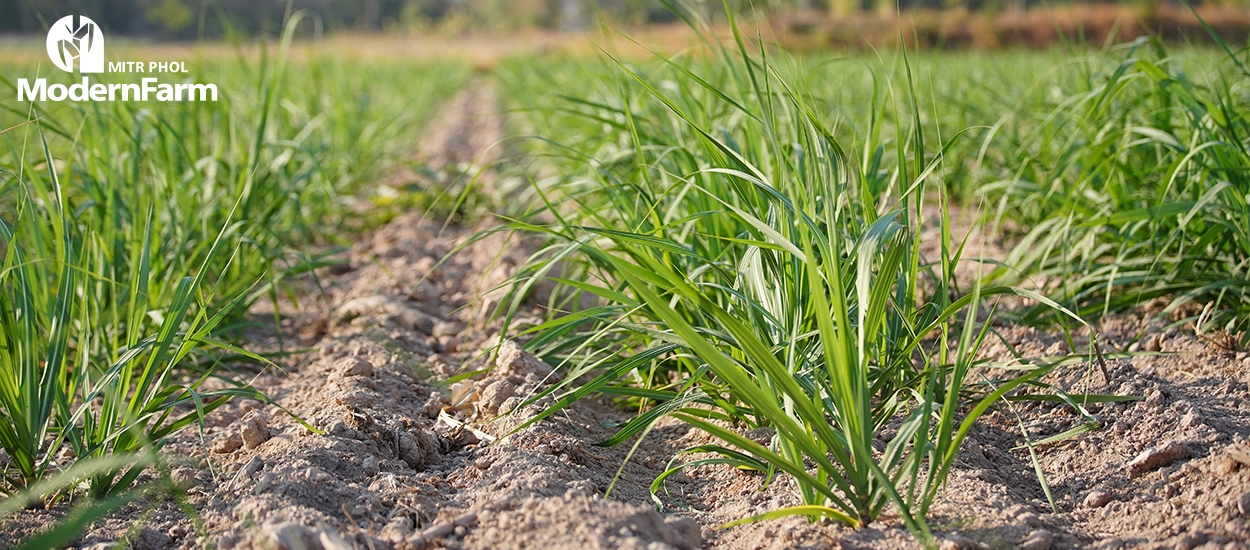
x=136 y=236
x=750 y=240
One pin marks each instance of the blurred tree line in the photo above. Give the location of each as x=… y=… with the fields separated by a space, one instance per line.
x=189 y=19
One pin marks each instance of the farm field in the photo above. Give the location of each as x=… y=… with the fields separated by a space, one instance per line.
x=724 y=297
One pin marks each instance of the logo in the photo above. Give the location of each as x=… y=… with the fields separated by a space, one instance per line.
x=76 y=44
x=76 y=40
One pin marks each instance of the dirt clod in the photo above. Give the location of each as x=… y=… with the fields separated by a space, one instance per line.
x=185 y=478
x=1156 y=399
x=255 y=429
x=1096 y=499
x=254 y=465
x=1155 y=343
x=354 y=366
x=227 y=444
x=495 y=395
x=513 y=360
x=1239 y=452
x=1156 y=457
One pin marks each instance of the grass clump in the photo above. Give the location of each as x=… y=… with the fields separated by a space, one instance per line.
x=284 y=155
x=1134 y=188
x=134 y=238
x=726 y=262
x=53 y=391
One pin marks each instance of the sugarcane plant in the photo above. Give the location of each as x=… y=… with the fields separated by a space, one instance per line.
x=736 y=268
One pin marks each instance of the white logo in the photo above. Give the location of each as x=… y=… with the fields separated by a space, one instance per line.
x=75 y=43
x=76 y=39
